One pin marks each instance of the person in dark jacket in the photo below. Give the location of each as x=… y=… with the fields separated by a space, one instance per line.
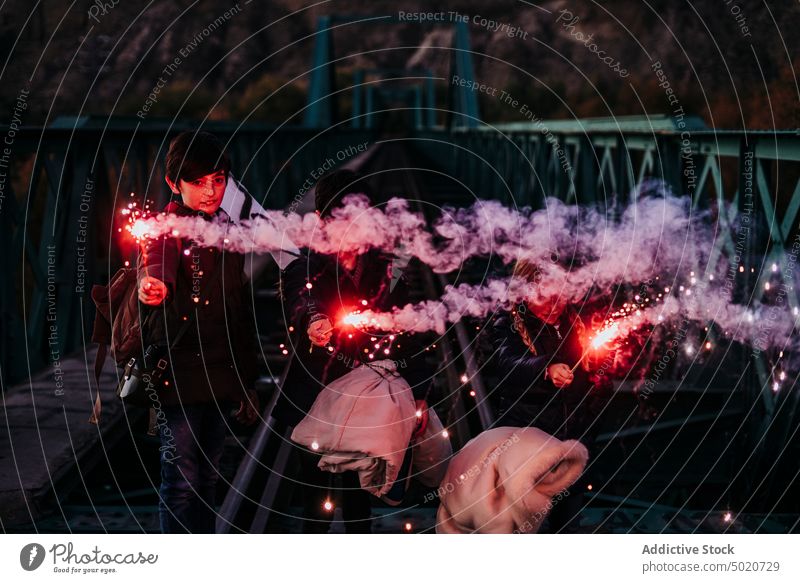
x=547 y=380
x=317 y=291
x=213 y=364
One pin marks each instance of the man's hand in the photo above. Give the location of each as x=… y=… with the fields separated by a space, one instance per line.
x=152 y=291
x=560 y=374
x=320 y=332
x=247 y=414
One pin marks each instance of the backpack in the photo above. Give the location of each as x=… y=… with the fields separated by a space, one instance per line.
x=118 y=322
x=117 y=325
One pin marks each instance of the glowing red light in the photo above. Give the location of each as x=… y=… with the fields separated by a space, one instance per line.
x=604 y=336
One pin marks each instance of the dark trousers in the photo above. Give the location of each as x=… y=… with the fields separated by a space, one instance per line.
x=192 y=439
x=342 y=490
x=565 y=514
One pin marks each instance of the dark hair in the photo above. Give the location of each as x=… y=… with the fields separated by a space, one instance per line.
x=333 y=187
x=195 y=154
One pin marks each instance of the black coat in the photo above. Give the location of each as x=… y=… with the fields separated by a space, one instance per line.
x=216 y=358
x=335 y=292
x=525 y=397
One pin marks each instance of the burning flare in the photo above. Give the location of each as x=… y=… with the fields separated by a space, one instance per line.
x=604 y=336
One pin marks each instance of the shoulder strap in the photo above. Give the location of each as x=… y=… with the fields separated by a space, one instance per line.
x=247 y=205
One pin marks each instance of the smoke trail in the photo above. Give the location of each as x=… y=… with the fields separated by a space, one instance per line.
x=737 y=322
x=579 y=251
x=651 y=233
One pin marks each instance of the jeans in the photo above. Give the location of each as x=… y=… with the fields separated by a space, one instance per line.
x=192 y=439
x=319 y=486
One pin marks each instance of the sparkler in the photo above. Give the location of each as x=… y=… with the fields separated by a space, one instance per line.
x=136 y=225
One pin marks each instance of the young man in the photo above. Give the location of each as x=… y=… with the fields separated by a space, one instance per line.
x=213 y=363
x=316 y=290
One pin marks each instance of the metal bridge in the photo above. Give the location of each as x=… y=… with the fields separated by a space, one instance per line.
x=58 y=222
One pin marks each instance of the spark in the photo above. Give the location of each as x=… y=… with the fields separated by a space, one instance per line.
x=727 y=517
x=408 y=526
x=445 y=434
x=314 y=445
x=464 y=378
x=355 y=319
x=328 y=506
x=139 y=229
x=605 y=336
x=309 y=285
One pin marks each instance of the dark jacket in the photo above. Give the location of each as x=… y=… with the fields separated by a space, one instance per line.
x=525 y=396
x=215 y=359
x=334 y=292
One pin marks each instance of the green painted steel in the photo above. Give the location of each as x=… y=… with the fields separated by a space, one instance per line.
x=380 y=91
x=321 y=108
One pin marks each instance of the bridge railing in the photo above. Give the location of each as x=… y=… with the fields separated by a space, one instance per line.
x=604 y=161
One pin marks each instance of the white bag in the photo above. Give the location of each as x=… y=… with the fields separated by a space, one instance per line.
x=362 y=421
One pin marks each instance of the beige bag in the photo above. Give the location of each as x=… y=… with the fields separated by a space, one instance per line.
x=362 y=421
x=505 y=480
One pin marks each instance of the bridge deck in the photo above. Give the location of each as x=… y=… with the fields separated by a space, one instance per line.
x=45 y=434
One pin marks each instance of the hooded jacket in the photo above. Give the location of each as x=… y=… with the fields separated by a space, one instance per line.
x=526 y=396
